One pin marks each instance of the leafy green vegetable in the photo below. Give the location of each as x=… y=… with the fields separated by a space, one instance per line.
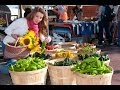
x=65 y=62
x=101 y=57
x=28 y=64
x=41 y=55
x=91 y=66
x=43 y=45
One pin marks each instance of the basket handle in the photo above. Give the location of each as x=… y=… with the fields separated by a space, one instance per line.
x=21 y=51
x=16 y=42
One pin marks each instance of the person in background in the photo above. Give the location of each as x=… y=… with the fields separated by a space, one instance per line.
x=61 y=11
x=37 y=21
x=118 y=20
x=113 y=24
x=104 y=23
x=77 y=10
x=27 y=11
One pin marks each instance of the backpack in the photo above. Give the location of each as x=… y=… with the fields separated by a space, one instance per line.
x=108 y=14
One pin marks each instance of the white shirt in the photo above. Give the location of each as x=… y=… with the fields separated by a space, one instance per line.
x=19 y=27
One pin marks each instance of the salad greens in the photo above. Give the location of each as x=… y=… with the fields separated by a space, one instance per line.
x=65 y=62
x=91 y=66
x=101 y=57
x=28 y=64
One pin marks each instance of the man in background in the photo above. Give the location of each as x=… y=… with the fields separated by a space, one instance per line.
x=77 y=10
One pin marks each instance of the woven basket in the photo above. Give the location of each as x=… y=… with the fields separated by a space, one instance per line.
x=107 y=62
x=60 y=75
x=84 y=79
x=68 y=45
x=37 y=77
x=15 y=52
x=98 y=51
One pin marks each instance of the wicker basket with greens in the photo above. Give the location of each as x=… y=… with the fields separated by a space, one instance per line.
x=28 y=64
x=91 y=66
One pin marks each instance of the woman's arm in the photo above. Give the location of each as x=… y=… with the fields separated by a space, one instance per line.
x=13 y=26
x=48 y=39
x=42 y=37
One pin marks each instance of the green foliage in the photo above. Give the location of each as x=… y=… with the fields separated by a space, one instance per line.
x=43 y=45
x=89 y=49
x=65 y=62
x=91 y=66
x=101 y=57
x=41 y=55
x=28 y=64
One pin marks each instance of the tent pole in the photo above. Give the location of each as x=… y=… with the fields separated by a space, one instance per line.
x=20 y=11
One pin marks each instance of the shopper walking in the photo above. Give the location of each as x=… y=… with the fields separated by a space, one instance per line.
x=113 y=25
x=118 y=19
x=104 y=24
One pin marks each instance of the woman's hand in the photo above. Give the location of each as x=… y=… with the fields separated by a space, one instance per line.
x=15 y=36
x=48 y=39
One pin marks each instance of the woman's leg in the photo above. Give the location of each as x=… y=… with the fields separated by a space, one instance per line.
x=108 y=33
x=100 y=33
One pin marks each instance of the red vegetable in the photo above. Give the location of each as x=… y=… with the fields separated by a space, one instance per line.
x=50 y=47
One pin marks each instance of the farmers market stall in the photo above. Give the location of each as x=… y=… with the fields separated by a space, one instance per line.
x=64 y=63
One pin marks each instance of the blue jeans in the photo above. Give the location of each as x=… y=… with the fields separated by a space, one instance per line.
x=112 y=30
x=104 y=25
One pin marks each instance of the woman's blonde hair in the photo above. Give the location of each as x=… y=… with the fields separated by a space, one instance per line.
x=43 y=25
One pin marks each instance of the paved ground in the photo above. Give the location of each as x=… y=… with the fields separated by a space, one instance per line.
x=114 y=54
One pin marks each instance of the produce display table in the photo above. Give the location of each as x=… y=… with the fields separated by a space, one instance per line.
x=85 y=29
x=78 y=27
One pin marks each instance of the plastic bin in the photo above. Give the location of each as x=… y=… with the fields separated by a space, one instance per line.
x=87 y=28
